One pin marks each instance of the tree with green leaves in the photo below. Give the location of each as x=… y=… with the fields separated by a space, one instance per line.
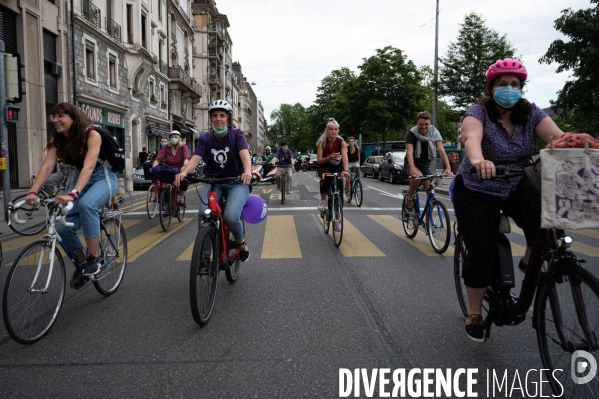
x=290 y=124
x=385 y=97
x=577 y=103
x=462 y=74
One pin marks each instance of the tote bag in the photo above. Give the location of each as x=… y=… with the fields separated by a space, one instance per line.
x=570 y=188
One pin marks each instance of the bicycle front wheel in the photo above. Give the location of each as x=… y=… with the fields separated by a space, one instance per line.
x=123 y=199
x=437 y=227
x=283 y=188
x=152 y=201
x=409 y=220
x=203 y=275
x=113 y=254
x=326 y=216
x=358 y=193
x=33 y=293
x=26 y=219
x=337 y=220
x=165 y=213
x=232 y=270
x=576 y=304
x=459 y=255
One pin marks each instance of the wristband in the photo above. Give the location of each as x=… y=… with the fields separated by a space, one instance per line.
x=32 y=192
x=74 y=195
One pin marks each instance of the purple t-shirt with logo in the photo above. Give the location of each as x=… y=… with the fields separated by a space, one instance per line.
x=499 y=147
x=284 y=157
x=222 y=160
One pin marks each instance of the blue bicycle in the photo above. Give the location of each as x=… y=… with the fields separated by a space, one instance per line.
x=434 y=217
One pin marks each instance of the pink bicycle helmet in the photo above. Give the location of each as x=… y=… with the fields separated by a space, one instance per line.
x=507 y=67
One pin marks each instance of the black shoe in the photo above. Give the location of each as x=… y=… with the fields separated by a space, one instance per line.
x=76 y=281
x=244 y=251
x=181 y=204
x=92 y=266
x=522 y=266
x=410 y=205
x=165 y=214
x=475 y=328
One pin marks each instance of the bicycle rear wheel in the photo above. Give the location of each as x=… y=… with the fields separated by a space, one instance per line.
x=123 y=199
x=165 y=212
x=232 y=270
x=458 y=260
x=113 y=249
x=358 y=193
x=203 y=275
x=337 y=220
x=180 y=213
x=28 y=310
x=26 y=219
x=437 y=227
x=577 y=297
x=283 y=188
x=409 y=220
x=152 y=201
x=326 y=215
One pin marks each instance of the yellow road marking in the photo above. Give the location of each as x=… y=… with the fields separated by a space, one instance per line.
x=187 y=254
x=420 y=242
x=147 y=241
x=275 y=196
x=280 y=238
x=586 y=232
x=354 y=243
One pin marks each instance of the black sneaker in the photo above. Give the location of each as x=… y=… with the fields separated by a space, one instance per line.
x=181 y=204
x=410 y=205
x=244 y=251
x=475 y=328
x=92 y=266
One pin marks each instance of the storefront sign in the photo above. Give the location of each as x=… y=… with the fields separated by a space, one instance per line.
x=102 y=116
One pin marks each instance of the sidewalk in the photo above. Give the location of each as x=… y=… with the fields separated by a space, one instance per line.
x=6 y=231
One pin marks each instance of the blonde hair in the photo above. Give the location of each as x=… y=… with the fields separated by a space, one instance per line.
x=323 y=137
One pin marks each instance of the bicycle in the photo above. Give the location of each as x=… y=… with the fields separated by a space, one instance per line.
x=566 y=304
x=169 y=205
x=355 y=186
x=283 y=182
x=434 y=217
x=334 y=211
x=214 y=250
x=26 y=219
x=122 y=200
x=35 y=287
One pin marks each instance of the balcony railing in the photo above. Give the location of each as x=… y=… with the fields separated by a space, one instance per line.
x=215 y=79
x=91 y=13
x=212 y=52
x=178 y=74
x=113 y=29
x=215 y=28
x=184 y=13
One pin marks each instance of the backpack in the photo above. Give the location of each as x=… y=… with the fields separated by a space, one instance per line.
x=113 y=152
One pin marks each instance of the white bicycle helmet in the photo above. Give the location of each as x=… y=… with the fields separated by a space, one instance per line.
x=267 y=148
x=175 y=132
x=220 y=104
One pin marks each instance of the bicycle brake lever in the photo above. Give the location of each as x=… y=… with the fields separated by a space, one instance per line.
x=63 y=211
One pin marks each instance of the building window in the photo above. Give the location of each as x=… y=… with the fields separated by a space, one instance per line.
x=143 y=31
x=160 y=10
x=112 y=71
x=130 y=23
x=162 y=98
x=90 y=62
x=152 y=92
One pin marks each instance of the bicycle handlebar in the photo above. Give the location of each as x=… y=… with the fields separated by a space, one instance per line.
x=429 y=177
x=214 y=180
x=504 y=171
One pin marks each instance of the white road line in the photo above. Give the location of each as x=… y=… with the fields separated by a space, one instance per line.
x=399 y=196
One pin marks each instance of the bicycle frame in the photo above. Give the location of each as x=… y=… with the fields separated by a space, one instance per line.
x=428 y=208
x=333 y=190
x=215 y=208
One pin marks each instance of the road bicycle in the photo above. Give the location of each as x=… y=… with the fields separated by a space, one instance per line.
x=283 y=181
x=334 y=211
x=565 y=314
x=434 y=217
x=355 y=186
x=35 y=287
x=27 y=219
x=214 y=250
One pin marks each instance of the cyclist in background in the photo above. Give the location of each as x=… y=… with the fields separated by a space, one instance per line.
x=422 y=143
x=74 y=140
x=353 y=161
x=174 y=153
x=269 y=161
x=332 y=158
x=498 y=129
x=217 y=150
x=284 y=158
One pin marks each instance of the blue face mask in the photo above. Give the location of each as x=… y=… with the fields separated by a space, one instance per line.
x=507 y=97
x=162 y=144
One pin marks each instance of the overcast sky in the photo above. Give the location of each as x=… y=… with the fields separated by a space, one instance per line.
x=288 y=46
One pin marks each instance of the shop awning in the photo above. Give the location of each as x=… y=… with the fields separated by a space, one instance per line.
x=181 y=128
x=196 y=133
x=157 y=132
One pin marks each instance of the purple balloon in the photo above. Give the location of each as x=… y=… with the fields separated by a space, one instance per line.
x=255 y=210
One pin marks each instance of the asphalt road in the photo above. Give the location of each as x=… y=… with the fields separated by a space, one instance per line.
x=300 y=311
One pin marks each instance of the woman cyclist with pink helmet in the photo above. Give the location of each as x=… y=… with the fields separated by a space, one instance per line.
x=498 y=129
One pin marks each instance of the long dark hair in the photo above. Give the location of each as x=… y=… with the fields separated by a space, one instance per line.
x=75 y=146
x=520 y=111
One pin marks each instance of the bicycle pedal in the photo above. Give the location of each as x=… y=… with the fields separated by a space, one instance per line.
x=77 y=281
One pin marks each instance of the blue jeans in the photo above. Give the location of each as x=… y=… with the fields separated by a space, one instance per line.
x=237 y=195
x=85 y=210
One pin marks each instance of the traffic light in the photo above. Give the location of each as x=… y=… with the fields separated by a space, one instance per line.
x=14 y=77
x=12 y=113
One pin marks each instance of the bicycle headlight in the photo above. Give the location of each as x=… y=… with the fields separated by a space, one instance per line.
x=207 y=212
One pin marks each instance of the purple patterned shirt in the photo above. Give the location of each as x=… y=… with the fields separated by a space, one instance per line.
x=499 y=147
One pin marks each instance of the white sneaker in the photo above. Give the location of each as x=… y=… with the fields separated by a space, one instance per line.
x=337 y=225
x=322 y=206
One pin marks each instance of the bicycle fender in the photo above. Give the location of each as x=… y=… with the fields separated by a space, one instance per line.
x=504 y=264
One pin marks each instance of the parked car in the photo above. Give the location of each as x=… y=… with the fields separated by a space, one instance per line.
x=370 y=167
x=392 y=167
x=313 y=162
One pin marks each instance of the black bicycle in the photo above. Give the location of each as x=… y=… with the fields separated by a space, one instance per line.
x=334 y=211
x=566 y=305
